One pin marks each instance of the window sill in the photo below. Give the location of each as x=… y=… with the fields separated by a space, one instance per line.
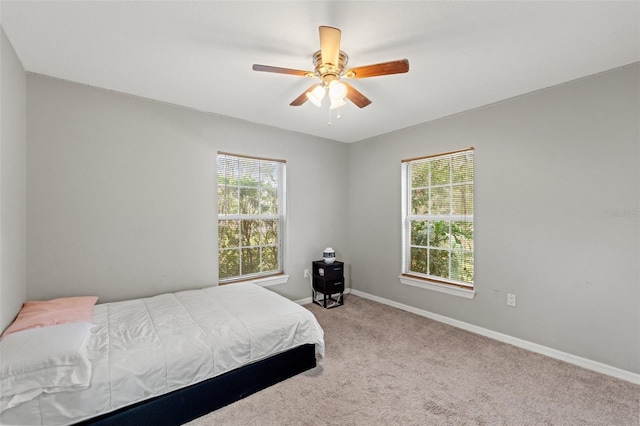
x=442 y=288
x=273 y=280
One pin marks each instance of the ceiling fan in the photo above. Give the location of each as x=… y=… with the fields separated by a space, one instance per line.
x=330 y=65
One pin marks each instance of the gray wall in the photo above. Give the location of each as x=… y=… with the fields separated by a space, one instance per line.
x=13 y=175
x=122 y=204
x=549 y=167
x=122 y=193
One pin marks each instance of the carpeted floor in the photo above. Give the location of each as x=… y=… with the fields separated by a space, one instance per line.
x=385 y=366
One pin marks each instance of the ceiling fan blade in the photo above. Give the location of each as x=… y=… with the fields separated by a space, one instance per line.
x=278 y=70
x=385 y=68
x=303 y=98
x=330 y=45
x=356 y=97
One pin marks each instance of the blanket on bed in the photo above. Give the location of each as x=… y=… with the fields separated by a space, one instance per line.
x=143 y=348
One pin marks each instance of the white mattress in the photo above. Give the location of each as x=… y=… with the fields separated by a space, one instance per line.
x=147 y=347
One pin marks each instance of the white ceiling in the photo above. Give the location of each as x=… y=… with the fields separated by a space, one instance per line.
x=199 y=54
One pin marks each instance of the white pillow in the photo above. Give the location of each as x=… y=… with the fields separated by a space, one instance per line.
x=46 y=359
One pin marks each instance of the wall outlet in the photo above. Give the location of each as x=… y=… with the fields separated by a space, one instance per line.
x=306 y=273
x=511 y=299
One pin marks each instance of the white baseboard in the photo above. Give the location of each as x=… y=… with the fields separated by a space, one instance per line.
x=304 y=301
x=534 y=347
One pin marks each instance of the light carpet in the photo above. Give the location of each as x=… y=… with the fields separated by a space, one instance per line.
x=385 y=366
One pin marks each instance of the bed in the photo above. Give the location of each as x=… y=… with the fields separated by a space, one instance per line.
x=166 y=359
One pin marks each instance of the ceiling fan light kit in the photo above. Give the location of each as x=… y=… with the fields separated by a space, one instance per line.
x=330 y=65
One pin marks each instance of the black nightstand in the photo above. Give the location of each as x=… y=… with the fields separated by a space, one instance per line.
x=328 y=279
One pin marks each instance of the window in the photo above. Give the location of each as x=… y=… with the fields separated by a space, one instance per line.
x=250 y=217
x=437 y=211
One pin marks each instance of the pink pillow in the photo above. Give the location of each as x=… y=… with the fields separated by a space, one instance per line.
x=53 y=312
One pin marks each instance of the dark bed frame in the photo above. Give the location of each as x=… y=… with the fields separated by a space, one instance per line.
x=186 y=404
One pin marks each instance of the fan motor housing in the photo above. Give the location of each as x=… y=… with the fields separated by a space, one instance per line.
x=328 y=72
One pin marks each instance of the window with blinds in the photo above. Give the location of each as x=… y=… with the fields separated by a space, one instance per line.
x=437 y=211
x=251 y=200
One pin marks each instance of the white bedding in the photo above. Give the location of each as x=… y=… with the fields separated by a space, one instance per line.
x=147 y=347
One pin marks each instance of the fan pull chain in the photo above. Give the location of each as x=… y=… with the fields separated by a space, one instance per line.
x=339 y=116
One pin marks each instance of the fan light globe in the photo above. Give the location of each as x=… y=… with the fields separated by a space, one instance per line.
x=337 y=91
x=337 y=103
x=316 y=95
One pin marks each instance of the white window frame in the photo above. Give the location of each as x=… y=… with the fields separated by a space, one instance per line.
x=417 y=279
x=271 y=277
